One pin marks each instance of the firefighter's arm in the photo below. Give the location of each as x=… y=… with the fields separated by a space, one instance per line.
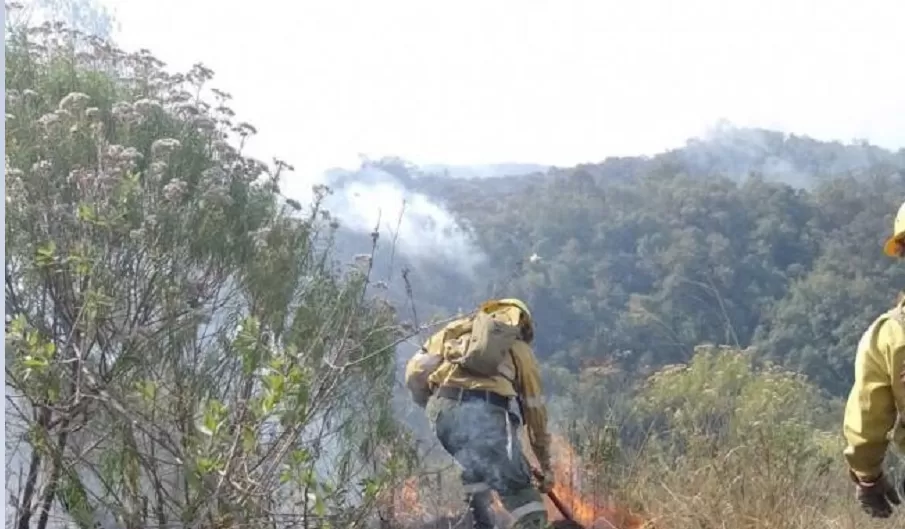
x=870 y=412
x=419 y=368
x=535 y=411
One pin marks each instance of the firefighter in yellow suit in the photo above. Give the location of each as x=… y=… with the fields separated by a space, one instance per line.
x=876 y=404
x=476 y=420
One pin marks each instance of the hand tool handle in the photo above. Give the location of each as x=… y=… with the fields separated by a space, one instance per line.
x=566 y=512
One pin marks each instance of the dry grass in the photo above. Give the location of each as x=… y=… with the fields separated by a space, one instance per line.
x=733 y=501
x=745 y=493
x=748 y=487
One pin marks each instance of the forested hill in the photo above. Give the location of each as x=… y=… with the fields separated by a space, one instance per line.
x=637 y=260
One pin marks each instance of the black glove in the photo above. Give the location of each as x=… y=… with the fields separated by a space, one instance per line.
x=546 y=480
x=877 y=496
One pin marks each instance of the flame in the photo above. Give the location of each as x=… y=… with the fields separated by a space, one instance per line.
x=410 y=507
x=408 y=502
x=591 y=511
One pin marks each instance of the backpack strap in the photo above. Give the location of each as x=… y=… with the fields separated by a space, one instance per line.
x=515 y=376
x=511 y=376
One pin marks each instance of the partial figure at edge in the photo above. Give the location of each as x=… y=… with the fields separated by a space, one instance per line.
x=876 y=403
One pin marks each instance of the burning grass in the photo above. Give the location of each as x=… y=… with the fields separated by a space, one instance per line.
x=590 y=508
x=428 y=504
x=740 y=488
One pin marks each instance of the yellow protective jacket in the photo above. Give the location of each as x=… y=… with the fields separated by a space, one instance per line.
x=878 y=395
x=519 y=377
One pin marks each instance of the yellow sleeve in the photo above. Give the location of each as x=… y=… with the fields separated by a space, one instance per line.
x=870 y=412
x=420 y=367
x=530 y=390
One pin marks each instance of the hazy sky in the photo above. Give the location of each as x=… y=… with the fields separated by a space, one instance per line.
x=556 y=82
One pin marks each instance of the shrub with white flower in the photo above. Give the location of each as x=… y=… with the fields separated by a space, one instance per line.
x=181 y=350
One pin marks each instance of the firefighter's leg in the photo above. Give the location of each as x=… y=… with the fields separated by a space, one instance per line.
x=512 y=480
x=478 y=495
x=455 y=428
x=526 y=507
x=479 y=498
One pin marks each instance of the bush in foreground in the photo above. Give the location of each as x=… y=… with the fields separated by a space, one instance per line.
x=182 y=349
x=718 y=442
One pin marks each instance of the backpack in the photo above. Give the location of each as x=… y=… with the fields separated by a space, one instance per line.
x=490 y=333
x=422 y=364
x=478 y=343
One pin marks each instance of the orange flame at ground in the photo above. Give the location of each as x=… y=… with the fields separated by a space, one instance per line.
x=410 y=508
x=590 y=511
x=407 y=505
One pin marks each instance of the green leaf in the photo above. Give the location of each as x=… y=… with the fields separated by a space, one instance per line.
x=249 y=439
x=247 y=344
x=268 y=401
x=320 y=508
x=44 y=255
x=33 y=363
x=86 y=213
x=370 y=488
x=299 y=457
x=207 y=465
x=213 y=418
x=147 y=389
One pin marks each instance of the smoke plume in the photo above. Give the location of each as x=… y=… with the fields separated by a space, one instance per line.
x=423 y=229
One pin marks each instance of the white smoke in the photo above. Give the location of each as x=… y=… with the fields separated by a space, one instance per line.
x=424 y=229
x=797 y=160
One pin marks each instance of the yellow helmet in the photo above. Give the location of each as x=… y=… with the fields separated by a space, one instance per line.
x=519 y=304
x=513 y=302
x=895 y=244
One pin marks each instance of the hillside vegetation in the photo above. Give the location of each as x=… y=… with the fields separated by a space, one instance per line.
x=642 y=259
x=186 y=346
x=633 y=263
